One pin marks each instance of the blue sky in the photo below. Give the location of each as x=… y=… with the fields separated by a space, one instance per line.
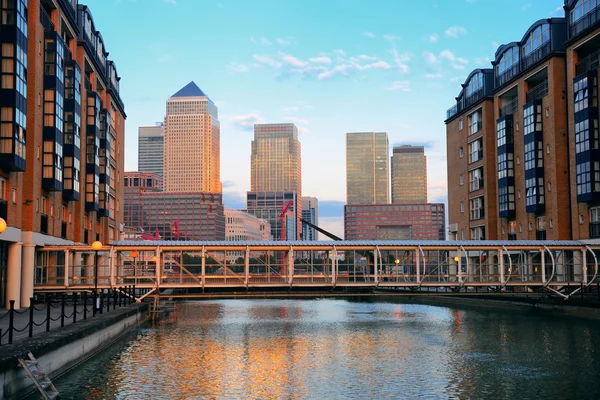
x=329 y=66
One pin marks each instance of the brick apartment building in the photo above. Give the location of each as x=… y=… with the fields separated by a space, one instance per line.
x=522 y=139
x=61 y=137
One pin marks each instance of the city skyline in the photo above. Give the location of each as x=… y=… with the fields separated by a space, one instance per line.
x=389 y=74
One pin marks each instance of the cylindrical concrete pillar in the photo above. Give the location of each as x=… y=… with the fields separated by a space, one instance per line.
x=27 y=273
x=13 y=275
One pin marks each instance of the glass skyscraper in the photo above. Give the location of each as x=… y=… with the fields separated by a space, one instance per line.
x=151 y=142
x=409 y=174
x=192 y=143
x=367 y=168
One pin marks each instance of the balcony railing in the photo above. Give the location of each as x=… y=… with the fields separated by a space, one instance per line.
x=474 y=97
x=510 y=108
x=594 y=230
x=536 y=55
x=538 y=91
x=452 y=111
x=508 y=74
x=46 y=20
x=584 y=22
x=588 y=63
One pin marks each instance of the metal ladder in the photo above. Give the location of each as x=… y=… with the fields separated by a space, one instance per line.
x=41 y=381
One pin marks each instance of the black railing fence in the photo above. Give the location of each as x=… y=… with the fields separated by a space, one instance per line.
x=73 y=306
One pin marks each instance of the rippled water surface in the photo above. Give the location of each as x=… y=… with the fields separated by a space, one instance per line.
x=336 y=349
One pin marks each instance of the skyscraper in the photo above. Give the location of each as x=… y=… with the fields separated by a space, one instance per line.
x=151 y=140
x=409 y=174
x=367 y=168
x=192 y=143
x=276 y=167
x=310 y=213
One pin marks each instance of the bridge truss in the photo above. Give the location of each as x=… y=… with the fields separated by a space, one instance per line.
x=550 y=266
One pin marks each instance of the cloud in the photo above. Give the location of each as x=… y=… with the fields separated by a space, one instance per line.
x=403 y=86
x=337 y=70
x=369 y=34
x=286 y=40
x=322 y=60
x=432 y=76
x=456 y=62
x=266 y=60
x=339 y=51
x=430 y=58
x=483 y=61
x=302 y=130
x=293 y=61
x=433 y=37
x=261 y=40
x=237 y=67
x=455 y=32
x=246 y=122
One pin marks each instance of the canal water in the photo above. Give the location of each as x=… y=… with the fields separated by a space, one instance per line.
x=338 y=349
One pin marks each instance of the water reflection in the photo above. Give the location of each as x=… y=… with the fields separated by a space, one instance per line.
x=338 y=349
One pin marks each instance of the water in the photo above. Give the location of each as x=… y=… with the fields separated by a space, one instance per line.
x=337 y=349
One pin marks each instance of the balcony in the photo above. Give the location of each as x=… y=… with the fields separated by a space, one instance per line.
x=508 y=74
x=510 y=108
x=588 y=63
x=594 y=230
x=585 y=22
x=452 y=111
x=44 y=224
x=473 y=98
x=538 y=91
x=536 y=55
x=540 y=234
x=46 y=20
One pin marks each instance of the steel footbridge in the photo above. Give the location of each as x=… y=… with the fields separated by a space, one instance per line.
x=498 y=266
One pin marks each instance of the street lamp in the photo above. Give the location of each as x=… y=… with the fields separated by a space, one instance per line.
x=96 y=246
x=2 y=225
x=134 y=254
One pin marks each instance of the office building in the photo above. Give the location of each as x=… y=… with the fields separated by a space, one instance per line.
x=268 y=207
x=276 y=168
x=62 y=131
x=367 y=168
x=171 y=215
x=192 y=143
x=310 y=213
x=509 y=144
x=409 y=174
x=394 y=221
x=151 y=141
x=242 y=226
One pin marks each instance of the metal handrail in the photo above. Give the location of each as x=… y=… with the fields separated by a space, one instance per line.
x=467 y=258
x=553 y=265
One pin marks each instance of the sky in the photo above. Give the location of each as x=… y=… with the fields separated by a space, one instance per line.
x=329 y=66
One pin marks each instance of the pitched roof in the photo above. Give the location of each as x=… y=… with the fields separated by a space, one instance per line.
x=190 y=90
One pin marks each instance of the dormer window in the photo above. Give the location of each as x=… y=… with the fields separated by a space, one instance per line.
x=475 y=84
x=507 y=61
x=582 y=8
x=539 y=36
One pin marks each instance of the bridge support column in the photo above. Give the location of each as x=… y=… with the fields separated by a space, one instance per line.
x=501 y=265
x=577 y=266
x=452 y=268
x=27 y=273
x=560 y=267
x=14 y=275
x=528 y=268
x=89 y=268
x=75 y=261
x=67 y=267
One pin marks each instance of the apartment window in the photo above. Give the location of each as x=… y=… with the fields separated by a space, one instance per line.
x=44 y=205
x=461 y=179
x=462 y=234
x=475 y=150
x=460 y=124
x=475 y=122
x=508 y=59
x=461 y=153
x=477 y=208
x=476 y=179
x=462 y=207
x=3 y=187
x=536 y=39
x=582 y=8
x=541 y=223
x=478 y=233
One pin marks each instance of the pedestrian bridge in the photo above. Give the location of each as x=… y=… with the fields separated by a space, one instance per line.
x=457 y=265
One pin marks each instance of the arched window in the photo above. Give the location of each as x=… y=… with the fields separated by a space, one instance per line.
x=508 y=59
x=582 y=8
x=535 y=40
x=475 y=84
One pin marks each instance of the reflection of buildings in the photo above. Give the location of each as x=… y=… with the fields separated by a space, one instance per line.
x=151 y=149
x=310 y=213
x=394 y=221
x=267 y=206
x=199 y=215
x=62 y=126
x=409 y=174
x=367 y=170
x=276 y=176
x=241 y=226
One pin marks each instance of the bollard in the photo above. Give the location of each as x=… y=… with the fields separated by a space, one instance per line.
x=48 y=306
x=31 y=317
x=62 y=311
x=84 y=306
x=74 y=307
x=11 y=321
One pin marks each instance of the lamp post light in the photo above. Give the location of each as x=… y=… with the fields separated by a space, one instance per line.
x=96 y=246
x=134 y=254
x=2 y=225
